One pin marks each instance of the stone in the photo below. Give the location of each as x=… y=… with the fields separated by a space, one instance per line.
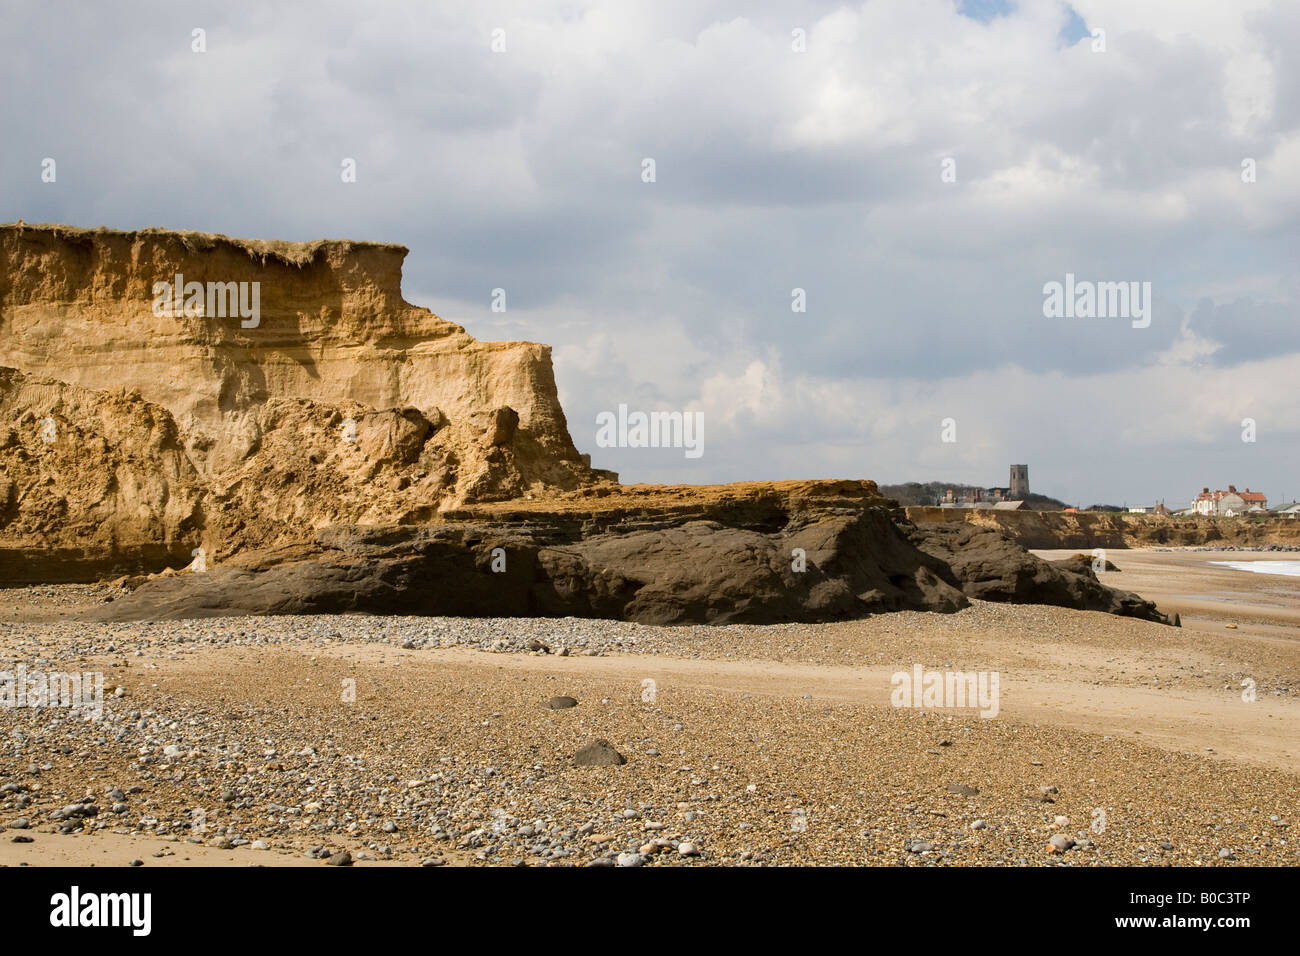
x=963 y=790
x=598 y=753
x=342 y=858
x=1060 y=842
x=561 y=703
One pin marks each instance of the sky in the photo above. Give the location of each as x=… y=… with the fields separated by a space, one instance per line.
x=920 y=169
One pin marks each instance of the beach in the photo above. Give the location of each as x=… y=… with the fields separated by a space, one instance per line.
x=432 y=741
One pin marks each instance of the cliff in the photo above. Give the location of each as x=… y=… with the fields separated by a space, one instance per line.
x=1056 y=529
x=82 y=306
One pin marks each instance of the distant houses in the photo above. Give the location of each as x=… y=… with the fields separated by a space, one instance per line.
x=1230 y=503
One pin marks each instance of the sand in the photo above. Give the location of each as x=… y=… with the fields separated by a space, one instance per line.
x=753 y=745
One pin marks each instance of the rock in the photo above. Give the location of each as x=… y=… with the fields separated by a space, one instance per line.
x=1083 y=564
x=260 y=845
x=963 y=790
x=631 y=859
x=1060 y=842
x=1226 y=854
x=502 y=425
x=561 y=703
x=985 y=563
x=979 y=825
x=686 y=848
x=598 y=753
x=918 y=846
x=20 y=824
x=342 y=858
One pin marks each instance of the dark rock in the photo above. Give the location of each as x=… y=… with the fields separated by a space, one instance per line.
x=725 y=559
x=1083 y=564
x=342 y=858
x=598 y=753
x=988 y=565
x=561 y=703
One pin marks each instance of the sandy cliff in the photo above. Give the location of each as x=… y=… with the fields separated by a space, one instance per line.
x=332 y=327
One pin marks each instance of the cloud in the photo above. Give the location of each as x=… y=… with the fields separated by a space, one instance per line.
x=820 y=170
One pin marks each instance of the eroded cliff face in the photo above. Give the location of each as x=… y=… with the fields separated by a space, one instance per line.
x=88 y=478
x=332 y=328
x=1055 y=529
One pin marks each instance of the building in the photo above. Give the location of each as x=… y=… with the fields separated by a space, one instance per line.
x=1019 y=482
x=1010 y=506
x=1289 y=510
x=1228 y=504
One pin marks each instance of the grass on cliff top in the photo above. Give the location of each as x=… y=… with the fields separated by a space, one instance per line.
x=262 y=250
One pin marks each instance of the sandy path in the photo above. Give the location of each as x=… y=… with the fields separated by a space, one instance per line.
x=1183 y=719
